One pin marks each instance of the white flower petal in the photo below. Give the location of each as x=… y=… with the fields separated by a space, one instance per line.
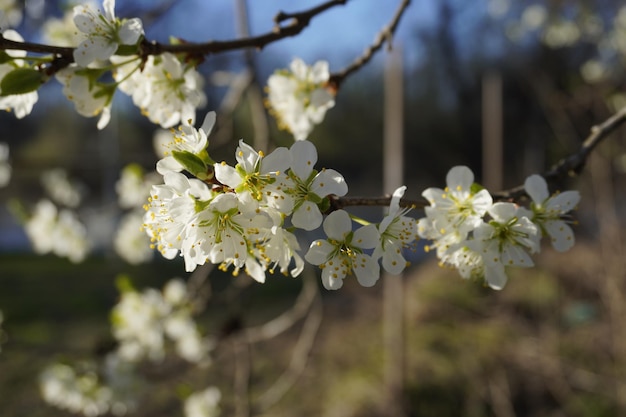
x=366 y=237
x=393 y=261
x=503 y=212
x=514 y=255
x=319 y=252
x=495 y=275
x=337 y=225
x=563 y=202
x=209 y=123
x=366 y=269
x=561 y=235
x=537 y=188
x=227 y=175
x=459 y=178
x=329 y=181
x=277 y=161
x=331 y=280
x=307 y=216
x=304 y=157
x=130 y=31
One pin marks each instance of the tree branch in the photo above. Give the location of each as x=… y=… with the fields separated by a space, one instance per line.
x=385 y=35
x=298 y=21
x=567 y=167
x=573 y=164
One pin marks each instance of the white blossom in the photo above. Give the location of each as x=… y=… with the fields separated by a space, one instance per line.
x=172 y=211
x=90 y=97
x=133 y=186
x=10 y=14
x=204 y=403
x=505 y=241
x=60 y=188
x=299 y=97
x=342 y=252
x=258 y=179
x=167 y=91
x=457 y=207
x=76 y=390
x=310 y=186
x=186 y=139
x=103 y=32
x=130 y=241
x=548 y=212
x=58 y=232
x=20 y=104
x=142 y=322
x=397 y=231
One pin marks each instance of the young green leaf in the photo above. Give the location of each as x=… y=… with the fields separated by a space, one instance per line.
x=21 y=81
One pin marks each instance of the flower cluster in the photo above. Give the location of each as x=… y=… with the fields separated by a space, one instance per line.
x=204 y=403
x=130 y=241
x=300 y=96
x=89 y=389
x=51 y=230
x=166 y=88
x=245 y=215
x=481 y=238
x=142 y=322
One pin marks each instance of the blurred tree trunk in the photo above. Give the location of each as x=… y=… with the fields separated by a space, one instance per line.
x=393 y=286
x=492 y=177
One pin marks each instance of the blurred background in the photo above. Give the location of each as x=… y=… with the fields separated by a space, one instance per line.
x=507 y=88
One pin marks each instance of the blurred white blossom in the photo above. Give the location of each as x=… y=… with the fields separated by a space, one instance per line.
x=60 y=188
x=131 y=242
x=57 y=232
x=10 y=14
x=88 y=390
x=203 y=403
x=143 y=321
x=299 y=97
x=133 y=186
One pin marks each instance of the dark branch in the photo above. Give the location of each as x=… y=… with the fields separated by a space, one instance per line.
x=567 y=167
x=298 y=22
x=385 y=35
x=65 y=52
x=572 y=165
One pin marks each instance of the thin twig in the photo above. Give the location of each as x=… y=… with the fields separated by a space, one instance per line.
x=385 y=35
x=299 y=357
x=286 y=320
x=573 y=164
x=567 y=167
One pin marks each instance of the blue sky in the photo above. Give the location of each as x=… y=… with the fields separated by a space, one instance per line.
x=339 y=35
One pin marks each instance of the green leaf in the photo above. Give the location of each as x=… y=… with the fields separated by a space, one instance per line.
x=4 y=57
x=191 y=162
x=324 y=205
x=21 y=81
x=475 y=188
